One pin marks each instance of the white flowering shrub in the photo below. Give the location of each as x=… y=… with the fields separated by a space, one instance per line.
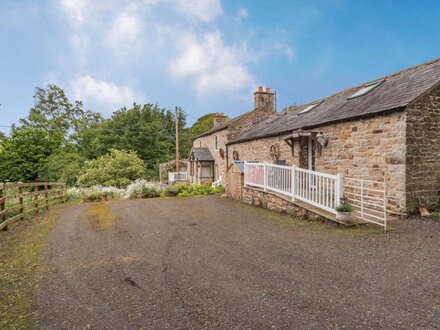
x=143 y=189
x=94 y=193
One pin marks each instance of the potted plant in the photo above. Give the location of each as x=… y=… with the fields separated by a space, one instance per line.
x=344 y=211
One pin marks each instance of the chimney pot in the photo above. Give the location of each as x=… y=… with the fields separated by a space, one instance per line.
x=267 y=90
x=260 y=89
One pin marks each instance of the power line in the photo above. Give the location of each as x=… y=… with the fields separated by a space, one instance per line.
x=91 y=128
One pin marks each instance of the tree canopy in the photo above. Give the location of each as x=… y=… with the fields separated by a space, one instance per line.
x=57 y=137
x=25 y=153
x=117 y=168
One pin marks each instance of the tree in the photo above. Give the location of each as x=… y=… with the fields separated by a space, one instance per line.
x=203 y=124
x=117 y=168
x=2 y=140
x=146 y=129
x=62 y=166
x=25 y=153
x=53 y=111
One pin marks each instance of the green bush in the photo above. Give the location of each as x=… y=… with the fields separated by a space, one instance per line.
x=118 y=168
x=187 y=190
x=345 y=207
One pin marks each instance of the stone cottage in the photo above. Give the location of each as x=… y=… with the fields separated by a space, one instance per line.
x=209 y=155
x=386 y=129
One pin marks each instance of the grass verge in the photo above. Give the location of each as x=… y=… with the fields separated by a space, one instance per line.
x=20 y=248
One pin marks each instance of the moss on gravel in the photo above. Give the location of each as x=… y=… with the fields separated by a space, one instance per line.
x=20 y=249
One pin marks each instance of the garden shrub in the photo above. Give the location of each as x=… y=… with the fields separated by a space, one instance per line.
x=118 y=168
x=143 y=189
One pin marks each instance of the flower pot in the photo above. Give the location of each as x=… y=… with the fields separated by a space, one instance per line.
x=344 y=216
x=104 y=198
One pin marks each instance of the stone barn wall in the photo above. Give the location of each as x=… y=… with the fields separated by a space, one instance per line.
x=423 y=151
x=371 y=148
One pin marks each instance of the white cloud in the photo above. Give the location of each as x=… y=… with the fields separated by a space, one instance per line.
x=285 y=49
x=204 y=10
x=89 y=89
x=215 y=67
x=80 y=46
x=125 y=33
x=242 y=13
x=74 y=10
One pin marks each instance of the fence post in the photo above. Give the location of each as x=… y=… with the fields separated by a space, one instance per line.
x=46 y=197
x=2 y=205
x=21 y=201
x=265 y=177
x=36 y=199
x=293 y=182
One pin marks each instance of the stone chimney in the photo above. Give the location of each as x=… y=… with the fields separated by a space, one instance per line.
x=264 y=100
x=219 y=118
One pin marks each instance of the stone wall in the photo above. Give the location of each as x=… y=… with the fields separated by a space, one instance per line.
x=237 y=127
x=208 y=142
x=372 y=148
x=278 y=204
x=423 y=151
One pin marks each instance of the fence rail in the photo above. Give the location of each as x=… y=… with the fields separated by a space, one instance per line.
x=368 y=198
x=175 y=176
x=319 y=189
x=24 y=200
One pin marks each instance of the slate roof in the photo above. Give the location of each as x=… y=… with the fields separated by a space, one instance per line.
x=202 y=154
x=394 y=93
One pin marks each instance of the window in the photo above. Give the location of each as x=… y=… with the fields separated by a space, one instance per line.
x=365 y=89
x=310 y=107
x=215 y=142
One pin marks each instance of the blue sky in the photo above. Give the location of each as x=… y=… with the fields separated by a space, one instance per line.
x=205 y=55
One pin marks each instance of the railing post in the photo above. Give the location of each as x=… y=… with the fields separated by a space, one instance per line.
x=265 y=176
x=293 y=182
x=245 y=173
x=338 y=189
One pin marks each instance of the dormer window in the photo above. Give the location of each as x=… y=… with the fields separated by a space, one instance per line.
x=365 y=89
x=310 y=107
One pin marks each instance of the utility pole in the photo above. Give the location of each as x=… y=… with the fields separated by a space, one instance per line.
x=177 y=142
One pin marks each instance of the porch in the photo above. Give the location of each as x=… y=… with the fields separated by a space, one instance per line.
x=320 y=193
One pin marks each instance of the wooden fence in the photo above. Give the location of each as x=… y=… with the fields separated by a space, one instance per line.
x=19 y=201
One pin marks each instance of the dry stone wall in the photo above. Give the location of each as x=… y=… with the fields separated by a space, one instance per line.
x=423 y=151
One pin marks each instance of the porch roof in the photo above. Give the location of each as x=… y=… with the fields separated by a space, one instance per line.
x=393 y=93
x=202 y=154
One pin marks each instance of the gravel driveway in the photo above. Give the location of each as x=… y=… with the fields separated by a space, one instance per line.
x=208 y=262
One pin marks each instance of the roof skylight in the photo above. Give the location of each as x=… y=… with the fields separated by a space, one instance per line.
x=365 y=89
x=310 y=107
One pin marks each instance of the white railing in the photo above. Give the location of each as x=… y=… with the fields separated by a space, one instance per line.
x=176 y=176
x=318 y=189
x=217 y=183
x=368 y=199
